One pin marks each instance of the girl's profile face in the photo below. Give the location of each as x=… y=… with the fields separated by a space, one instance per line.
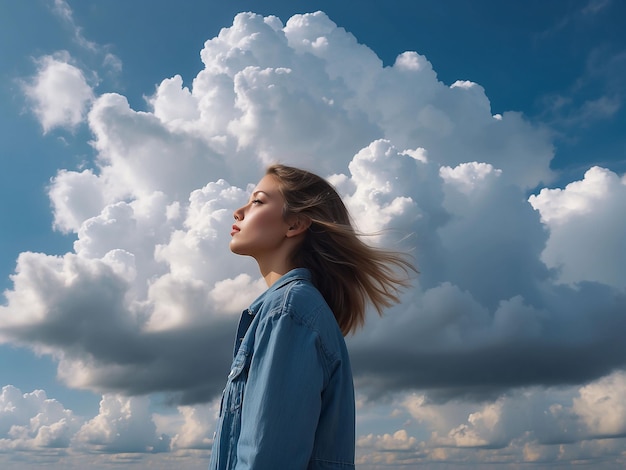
x=260 y=229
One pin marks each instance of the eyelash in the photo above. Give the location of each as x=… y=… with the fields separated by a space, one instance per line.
x=256 y=201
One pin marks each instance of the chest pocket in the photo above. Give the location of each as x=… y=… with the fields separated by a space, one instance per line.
x=232 y=398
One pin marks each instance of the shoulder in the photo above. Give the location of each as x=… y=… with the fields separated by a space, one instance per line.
x=294 y=298
x=305 y=304
x=300 y=301
x=302 y=306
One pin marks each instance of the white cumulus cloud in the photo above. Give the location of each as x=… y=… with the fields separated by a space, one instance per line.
x=587 y=225
x=59 y=92
x=32 y=421
x=123 y=425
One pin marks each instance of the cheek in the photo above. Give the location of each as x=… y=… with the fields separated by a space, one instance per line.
x=269 y=229
x=270 y=221
x=264 y=226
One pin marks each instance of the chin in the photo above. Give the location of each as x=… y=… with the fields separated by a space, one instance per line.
x=236 y=250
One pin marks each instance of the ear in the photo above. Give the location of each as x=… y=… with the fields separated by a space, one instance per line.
x=297 y=224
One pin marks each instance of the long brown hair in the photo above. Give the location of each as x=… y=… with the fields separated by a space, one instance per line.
x=348 y=272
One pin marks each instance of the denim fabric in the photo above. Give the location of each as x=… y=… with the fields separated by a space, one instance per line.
x=289 y=398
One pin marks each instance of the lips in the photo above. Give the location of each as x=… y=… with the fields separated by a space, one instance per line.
x=234 y=230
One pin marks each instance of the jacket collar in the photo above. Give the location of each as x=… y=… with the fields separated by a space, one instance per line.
x=293 y=275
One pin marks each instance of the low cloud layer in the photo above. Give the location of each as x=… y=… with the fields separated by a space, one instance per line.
x=514 y=293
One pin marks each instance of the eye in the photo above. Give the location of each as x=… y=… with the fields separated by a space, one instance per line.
x=256 y=201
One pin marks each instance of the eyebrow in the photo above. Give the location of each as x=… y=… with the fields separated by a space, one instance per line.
x=254 y=194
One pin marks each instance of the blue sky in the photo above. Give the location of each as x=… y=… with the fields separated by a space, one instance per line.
x=492 y=133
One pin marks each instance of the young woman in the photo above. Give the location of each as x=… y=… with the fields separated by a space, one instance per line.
x=289 y=399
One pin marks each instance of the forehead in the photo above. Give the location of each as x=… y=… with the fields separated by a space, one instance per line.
x=268 y=184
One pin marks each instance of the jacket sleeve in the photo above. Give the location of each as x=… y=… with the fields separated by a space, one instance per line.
x=282 y=398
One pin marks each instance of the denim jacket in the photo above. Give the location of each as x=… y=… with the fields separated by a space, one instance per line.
x=289 y=399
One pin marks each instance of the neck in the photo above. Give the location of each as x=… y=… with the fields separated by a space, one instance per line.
x=272 y=277
x=272 y=272
x=275 y=264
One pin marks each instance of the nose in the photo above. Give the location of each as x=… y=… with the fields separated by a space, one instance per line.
x=238 y=214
